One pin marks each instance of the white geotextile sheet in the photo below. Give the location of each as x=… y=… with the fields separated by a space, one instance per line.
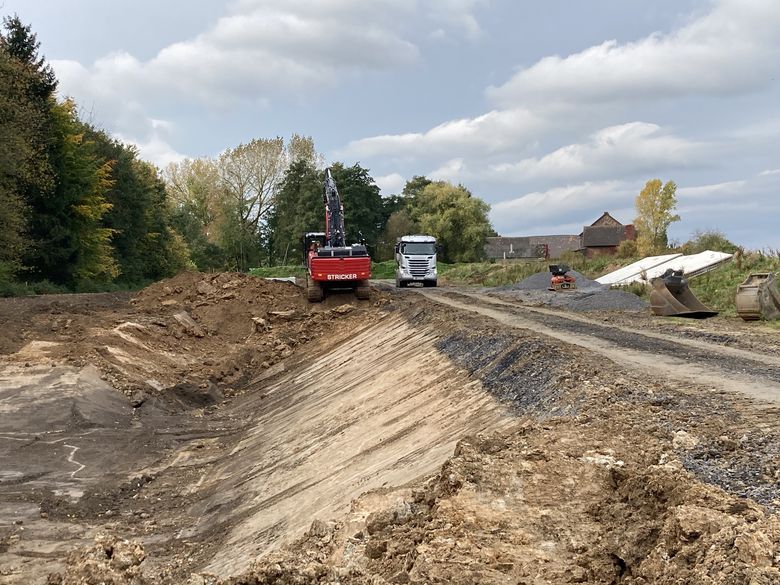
x=691 y=265
x=635 y=270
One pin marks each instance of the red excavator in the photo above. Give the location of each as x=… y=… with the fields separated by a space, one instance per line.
x=330 y=262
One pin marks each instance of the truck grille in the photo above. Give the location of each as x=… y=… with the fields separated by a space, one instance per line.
x=418 y=267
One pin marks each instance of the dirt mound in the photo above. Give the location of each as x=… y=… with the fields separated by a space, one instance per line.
x=109 y=561
x=199 y=330
x=509 y=509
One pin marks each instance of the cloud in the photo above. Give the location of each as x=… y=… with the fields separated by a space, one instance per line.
x=495 y=131
x=390 y=184
x=733 y=49
x=459 y=15
x=536 y=212
x=630 y=149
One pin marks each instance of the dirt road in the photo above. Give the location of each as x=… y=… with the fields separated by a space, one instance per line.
x=219 y=429
x=677 y=359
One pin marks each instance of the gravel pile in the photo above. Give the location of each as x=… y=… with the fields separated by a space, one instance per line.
x=588 y=296
x=541 y=281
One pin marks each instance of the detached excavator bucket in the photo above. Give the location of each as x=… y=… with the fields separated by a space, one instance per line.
x=671 y=297
x=758 y=297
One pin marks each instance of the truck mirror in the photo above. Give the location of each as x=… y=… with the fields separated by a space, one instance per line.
x=439 y=248
x=396 y=248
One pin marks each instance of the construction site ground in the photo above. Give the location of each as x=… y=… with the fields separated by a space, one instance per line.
x=219 y=429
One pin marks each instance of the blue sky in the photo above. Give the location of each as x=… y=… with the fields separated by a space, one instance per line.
x=552 y=111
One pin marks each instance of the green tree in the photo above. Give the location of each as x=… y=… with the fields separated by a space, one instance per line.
x=414 y=187
x=299 y=209
x=26 y=88
x=146 y=245
x=361 y=200
x=71 y=244
x=21 y=44
x=655 y=207
x=400 y=223
x=457 y=219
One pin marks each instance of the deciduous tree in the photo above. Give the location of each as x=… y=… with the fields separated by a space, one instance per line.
x=655 y=207
x=457 y=219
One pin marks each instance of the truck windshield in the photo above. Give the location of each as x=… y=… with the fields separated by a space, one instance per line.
x=427 y=249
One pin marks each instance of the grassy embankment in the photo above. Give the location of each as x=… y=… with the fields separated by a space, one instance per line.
x=716 y=289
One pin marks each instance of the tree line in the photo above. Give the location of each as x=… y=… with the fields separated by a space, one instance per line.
x=80 y=210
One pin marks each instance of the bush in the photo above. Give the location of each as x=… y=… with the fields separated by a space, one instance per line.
x=627 y=249
x=708 y=240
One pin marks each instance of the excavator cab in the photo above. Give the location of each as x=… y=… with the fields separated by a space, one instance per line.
x=671 y=297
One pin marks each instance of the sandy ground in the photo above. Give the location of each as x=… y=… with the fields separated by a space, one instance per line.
x=219 y=429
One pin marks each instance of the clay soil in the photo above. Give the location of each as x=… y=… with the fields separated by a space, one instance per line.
x=231 y=433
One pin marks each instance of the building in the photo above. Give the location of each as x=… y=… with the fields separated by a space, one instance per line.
x=602 y=237
x=530 y=247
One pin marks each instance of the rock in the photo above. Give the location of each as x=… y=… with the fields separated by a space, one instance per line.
x=683 y=440
x=754 y=549
x=138 y=398
x=169 y=303
x=376 y=548
x=204 y=288
x=343 y=309
x=283 y=314
x=189 y=324
x=261 y=324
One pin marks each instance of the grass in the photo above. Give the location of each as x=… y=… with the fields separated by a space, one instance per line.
x=503 y=273
x=296 y=270
x=718 y=288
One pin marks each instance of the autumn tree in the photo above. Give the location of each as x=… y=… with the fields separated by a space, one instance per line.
x=655 y=207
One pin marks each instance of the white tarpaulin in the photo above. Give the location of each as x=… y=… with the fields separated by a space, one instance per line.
x=692 y=265
x=625 y=274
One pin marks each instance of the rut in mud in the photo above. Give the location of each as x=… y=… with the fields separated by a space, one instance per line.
x=258 y=439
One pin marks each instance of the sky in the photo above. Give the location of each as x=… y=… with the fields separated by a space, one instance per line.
x=552 y=111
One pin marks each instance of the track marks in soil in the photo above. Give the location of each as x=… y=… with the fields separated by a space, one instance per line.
x=756 y=375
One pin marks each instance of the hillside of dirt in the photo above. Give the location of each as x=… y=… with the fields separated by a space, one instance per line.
x=193 y=330
x=218 y=429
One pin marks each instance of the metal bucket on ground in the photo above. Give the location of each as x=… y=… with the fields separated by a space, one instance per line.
x=758 y=297
x=671 y=297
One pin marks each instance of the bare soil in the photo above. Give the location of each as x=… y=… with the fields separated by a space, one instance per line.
x=219 y=429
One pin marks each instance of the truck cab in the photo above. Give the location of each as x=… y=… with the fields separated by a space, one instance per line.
x=415 y=260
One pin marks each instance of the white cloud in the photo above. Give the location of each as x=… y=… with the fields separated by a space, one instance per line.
x=631 y=148
x=390 y=184
x=495 y=131
x=535 y=212
x=733 y=49
x=459 y=15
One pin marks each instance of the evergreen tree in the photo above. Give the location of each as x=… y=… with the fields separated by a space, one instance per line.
x=299 y=209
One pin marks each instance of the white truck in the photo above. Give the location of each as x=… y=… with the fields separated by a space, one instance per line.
x=416 y=260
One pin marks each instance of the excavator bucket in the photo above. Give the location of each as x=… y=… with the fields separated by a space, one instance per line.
x=758 y=297
x=671 y=297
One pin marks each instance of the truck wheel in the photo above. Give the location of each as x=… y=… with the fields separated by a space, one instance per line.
x=427 y=283
x=314 y=291
x=399 y=283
